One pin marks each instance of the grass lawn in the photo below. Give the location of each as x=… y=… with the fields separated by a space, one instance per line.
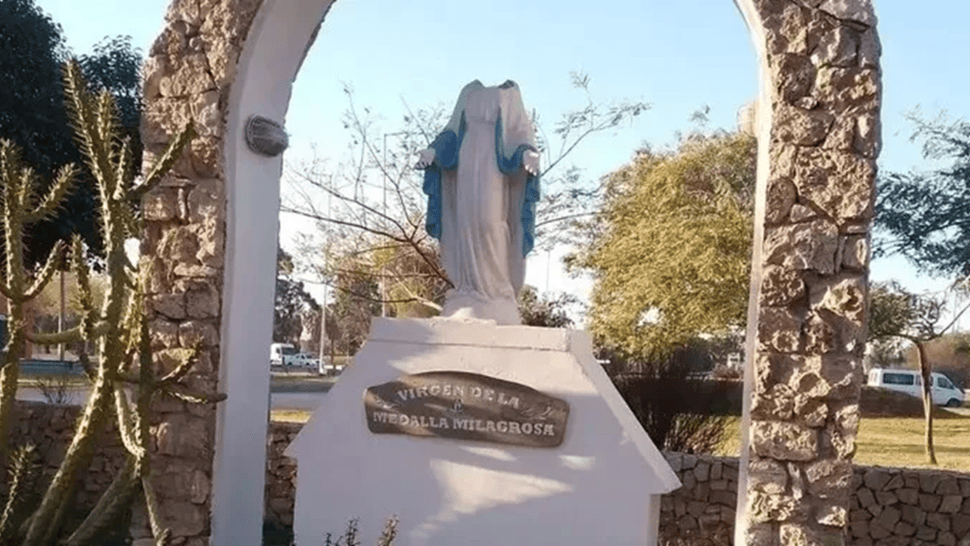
x=896 y=441
x=290 y=415
x=888 y=441
x=300 y=382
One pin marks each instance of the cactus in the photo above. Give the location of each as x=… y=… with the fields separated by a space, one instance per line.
x=20 y=210
x=119 y=328
x=24 y=474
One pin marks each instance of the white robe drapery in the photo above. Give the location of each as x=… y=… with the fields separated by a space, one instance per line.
x=481 y=207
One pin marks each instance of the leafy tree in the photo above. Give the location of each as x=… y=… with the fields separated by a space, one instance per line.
x=670 y=249
x=897 y=312
x=925 y=214
x=356 y=300
x=545 y=310
x=949 y=355
x=292 y=302
x=33 y=113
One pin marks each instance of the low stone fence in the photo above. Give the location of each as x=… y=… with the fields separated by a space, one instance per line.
x=702 y=511
x=50 y=429
x=889 y=506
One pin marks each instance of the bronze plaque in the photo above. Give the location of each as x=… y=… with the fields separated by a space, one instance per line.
x=466 y=406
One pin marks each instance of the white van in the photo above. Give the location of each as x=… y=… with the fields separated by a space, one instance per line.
x=911 y=382
x=281 y=354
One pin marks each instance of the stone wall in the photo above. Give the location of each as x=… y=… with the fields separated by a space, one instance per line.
x=281 y=474
x=701 y=512
x=888 y=506
x=818 y=168
x=187 y=78
x=50 y=429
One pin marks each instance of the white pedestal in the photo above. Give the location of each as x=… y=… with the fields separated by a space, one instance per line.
x=601 y=486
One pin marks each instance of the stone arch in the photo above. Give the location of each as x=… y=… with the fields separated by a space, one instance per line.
x=212 y=227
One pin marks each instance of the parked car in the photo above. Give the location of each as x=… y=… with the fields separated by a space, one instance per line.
x=281 y=354
x=304 y=360
x=943 y=391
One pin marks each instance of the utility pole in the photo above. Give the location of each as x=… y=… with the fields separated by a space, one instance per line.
x=384 y=305
x=321 y=368
x=60 y=318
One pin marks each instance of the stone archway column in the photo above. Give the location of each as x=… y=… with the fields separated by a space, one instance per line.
x=211 y=242
x=819 y=136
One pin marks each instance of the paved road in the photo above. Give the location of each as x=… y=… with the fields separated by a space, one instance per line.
x=279 y=400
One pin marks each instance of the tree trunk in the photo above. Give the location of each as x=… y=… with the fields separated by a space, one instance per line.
x=925 y=370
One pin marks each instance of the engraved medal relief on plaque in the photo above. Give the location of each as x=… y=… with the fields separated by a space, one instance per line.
x=466 y=406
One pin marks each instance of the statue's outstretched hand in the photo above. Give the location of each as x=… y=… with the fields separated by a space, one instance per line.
x=425 y=158
x=530 y=162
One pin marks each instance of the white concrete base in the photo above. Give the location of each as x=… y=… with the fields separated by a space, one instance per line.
x=601 y=486
x=471 y=306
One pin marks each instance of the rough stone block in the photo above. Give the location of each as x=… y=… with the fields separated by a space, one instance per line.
x=889 y=517
x=832 y=515
x=895 y=483
x=170 y=306
x=865 y=496
x=781 y=286
x=809 y=246
x=961 y=524
x=199 y=332
x=951 y=504
x=904 y=529
x=840 y=184
x=886 y=497
x=164 y=333
x=929 y=481
x=876 y=479
x=908 y=495
x=939 y=521
x=948 y=486
x=946 y=538
x=930 y=503
x=776 y=404
x=793 y=75
x=926 y=533
x=780 y=330
x=829 y=478
x=838 y=47
x=190 y=76
x=798 y=126
x=860 y=11
x=784 y=441
x=868 y=135
x=913 y=515
x=859 y=529
x=877 y=530
x=702 y=471
x=779 y=199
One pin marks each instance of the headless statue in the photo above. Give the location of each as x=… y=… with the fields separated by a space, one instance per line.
x=482 y=182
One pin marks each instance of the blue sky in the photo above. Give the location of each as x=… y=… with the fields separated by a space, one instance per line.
x=676 y=55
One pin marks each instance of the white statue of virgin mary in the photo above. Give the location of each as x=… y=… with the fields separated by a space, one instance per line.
x=482 y=181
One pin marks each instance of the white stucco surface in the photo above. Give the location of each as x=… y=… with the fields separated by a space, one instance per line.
x=266 y=70
x=600 y=486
